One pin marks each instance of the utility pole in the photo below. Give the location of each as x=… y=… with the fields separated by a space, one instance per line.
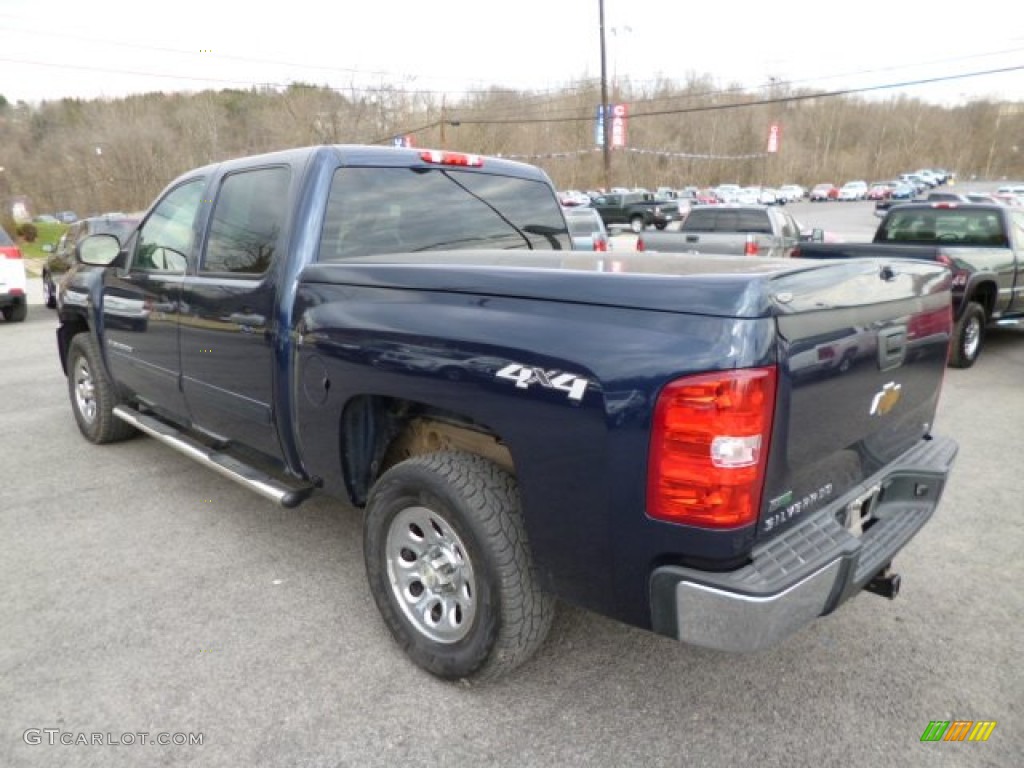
x=606 y=134
x=444 y=119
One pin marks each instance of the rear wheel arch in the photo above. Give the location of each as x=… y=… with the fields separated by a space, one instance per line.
x=379 y=432
x=982 y=291
x=985 y=294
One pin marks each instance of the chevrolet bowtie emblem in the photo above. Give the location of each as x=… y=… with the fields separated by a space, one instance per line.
x=885 y=400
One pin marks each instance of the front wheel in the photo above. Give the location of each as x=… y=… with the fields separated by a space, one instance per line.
x=968 y=336
x=93 y=396
x=449 y=566
x=49 y=292
x=636 y=224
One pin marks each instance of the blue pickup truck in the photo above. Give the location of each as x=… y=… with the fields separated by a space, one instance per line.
x=410 y=331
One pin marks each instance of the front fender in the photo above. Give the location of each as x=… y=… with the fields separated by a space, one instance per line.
x=80 y=310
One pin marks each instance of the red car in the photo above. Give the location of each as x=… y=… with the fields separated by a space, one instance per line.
x=824 y=193
x=880 y=191
x=706 y=197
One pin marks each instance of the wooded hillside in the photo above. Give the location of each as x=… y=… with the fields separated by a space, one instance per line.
x=101 y=155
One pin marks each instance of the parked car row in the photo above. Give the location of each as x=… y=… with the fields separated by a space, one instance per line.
x=956 y=198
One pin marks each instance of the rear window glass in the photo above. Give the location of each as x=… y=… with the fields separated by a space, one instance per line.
x=5 y=239
x=375 y=211
x=753 y=221
x=582 y=226
x=949 y=226
x=728 y=220
x=700 y=220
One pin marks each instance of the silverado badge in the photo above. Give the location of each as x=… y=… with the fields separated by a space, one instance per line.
x=885 y=400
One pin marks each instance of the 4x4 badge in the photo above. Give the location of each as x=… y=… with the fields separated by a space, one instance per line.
x=885 y=400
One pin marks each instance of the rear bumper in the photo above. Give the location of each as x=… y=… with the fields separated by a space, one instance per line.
x=809 y=570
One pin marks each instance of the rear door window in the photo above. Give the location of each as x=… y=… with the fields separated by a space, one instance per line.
x=247 y=222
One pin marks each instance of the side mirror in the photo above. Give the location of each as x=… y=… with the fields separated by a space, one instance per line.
x=98 y=250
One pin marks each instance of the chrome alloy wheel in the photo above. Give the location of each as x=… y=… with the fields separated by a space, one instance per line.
x=85 y=390
x=431 y=575
x=972 y=337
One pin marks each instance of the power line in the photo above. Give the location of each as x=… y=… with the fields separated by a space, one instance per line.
x=746 y=104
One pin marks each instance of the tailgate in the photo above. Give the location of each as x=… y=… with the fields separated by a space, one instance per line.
x=715 y=243
x=864 y=352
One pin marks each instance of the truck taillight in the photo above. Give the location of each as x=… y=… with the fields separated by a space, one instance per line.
x=640 y=243
x=600 y=244
x=709 y=448
x=437 y=157
x=750 y=248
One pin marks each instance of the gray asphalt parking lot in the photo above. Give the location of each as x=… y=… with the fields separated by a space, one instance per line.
x=140 y=593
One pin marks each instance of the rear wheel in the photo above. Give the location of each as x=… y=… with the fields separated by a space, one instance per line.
x=968 y=336
x=450 y=569
x=15 y=313
x=93 y=396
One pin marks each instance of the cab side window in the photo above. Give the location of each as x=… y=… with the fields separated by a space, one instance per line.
x=1018 y=229
x=165 y=240
x=247 y=222
x=789 y=227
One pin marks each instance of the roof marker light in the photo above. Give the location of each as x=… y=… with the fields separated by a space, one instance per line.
x=438 y=157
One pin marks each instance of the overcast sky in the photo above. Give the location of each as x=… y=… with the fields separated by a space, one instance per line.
x=53 y=49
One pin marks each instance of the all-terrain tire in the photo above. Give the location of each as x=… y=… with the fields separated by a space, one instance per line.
x=92 y=394
x=450 y=569
x=968 y=336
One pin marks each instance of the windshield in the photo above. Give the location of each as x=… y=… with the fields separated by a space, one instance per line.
x=373 y=211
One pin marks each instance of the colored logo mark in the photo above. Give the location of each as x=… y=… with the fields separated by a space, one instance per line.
x=958 y=730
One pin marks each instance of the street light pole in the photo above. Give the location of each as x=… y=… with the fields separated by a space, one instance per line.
x=605 y=116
